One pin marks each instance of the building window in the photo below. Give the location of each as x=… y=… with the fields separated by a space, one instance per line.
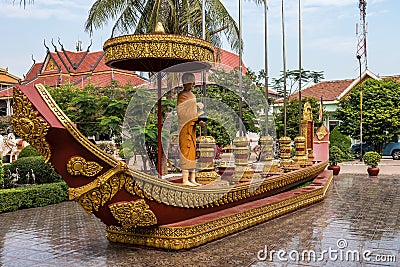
x=3 y=108
x=333 y=124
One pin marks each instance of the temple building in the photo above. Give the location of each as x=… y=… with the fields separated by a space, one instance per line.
x=78 y=68
x=7 y=80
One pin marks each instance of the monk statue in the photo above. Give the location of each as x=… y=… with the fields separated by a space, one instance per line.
x=187 y=118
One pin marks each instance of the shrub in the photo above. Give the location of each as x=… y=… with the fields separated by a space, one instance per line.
x=32 y=196
x=343 y=142
x=2 y=183
x=28 y=151
x=44 y=172
x=335 y=155
x=372 y=158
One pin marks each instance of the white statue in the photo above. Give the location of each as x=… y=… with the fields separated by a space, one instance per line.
x=9 y=145
x=14 y=176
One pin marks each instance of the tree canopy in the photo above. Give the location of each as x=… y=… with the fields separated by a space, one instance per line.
x=380 y=110
x=95 y=111
x=182 y=17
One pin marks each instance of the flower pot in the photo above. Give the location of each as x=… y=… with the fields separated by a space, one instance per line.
x=373 y=171
x=335 y=169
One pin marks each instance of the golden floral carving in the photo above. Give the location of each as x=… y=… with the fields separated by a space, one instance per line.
x=158 y=46
x=321 y=132
x=133 y=214
x=27 y=124
x=99 y=181
x=97 y=197
x=51 y=65
x=79 y=166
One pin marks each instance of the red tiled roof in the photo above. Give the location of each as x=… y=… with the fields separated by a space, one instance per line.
x=329 y=90
x=333 y=90
x=229 y=59
x=33 y=72
x=7 y=93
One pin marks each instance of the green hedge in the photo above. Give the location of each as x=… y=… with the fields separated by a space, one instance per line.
x=32 y=196
x=28 y=151
x=44 y=172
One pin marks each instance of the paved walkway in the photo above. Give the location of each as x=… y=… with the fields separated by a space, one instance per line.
x=360 y=215
x=387 y=166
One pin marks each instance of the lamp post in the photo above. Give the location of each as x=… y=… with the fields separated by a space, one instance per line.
x=361 y=119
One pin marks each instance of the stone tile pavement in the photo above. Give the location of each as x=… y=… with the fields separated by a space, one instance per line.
x=360 y=214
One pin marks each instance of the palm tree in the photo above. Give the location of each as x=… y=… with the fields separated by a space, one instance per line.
x=182 y=17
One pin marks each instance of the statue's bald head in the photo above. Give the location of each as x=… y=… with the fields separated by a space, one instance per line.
x=188 y=78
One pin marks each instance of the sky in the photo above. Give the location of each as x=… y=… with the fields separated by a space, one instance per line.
x=328 y=34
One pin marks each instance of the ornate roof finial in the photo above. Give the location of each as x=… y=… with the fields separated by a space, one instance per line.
x=62 y=47
x=89 y=45
x=44 y=42
x=34 y=61
x=55 y=47
x=159 y=29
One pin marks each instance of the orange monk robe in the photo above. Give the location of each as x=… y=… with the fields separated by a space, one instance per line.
x=187 y=117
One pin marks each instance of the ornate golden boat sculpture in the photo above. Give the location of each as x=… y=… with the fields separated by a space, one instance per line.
x=142 y=209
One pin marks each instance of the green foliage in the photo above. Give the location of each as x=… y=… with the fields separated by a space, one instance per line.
x=292 y=117
x=1 y=174
x=32 y=196
x=335 y=155
x=28 y=151
x=336 y=138
x=44 y=172
x=381 y=112
x=372 y=158
x=292 y=80
x=96 y=111
x=223 y=128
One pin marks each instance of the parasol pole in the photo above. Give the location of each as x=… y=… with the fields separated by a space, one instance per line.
x=284 y=70
x=300 y=63
x=240 y=68
x=266 y=65
x=159 y=126
x=203 y=73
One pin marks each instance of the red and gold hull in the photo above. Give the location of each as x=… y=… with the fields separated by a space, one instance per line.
x=142 y=209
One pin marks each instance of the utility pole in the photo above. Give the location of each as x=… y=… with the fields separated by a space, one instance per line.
x=362 y=59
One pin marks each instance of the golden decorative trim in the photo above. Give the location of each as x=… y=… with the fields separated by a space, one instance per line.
x=186 y=237
x=321 y=132
x=27 y=124
x=79 y=166
x=51 y=65
x=207 y=177
x=97 y=197
x=98 y=182
x=167 y=46
x=321 y=142
x=133 y=214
